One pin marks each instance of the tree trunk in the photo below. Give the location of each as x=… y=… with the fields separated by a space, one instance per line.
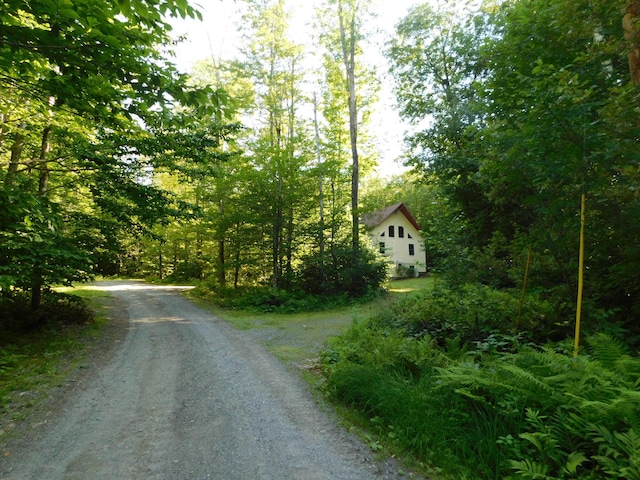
x=236 y=273
x=222 y=271
x=14 y=161
x=630 y=23
x=175 y=256
x=3 y=127
x=334 y=220
x=290 y=232
x=348 y=56
x=37 y=280
x=290 y=212
x=277 y=235
x=43 y=166
x=320 y=186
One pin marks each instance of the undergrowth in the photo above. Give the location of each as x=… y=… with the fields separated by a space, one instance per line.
x=490 y=406
x=34 y=355
x=270 y=300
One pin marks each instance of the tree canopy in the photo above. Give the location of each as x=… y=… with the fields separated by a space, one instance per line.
x=516 y=110
x=88 y=109
x=527 y=105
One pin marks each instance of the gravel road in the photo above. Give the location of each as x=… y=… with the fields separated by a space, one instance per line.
x=185 y=396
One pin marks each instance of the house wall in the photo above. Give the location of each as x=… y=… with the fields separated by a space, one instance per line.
x=396 y=247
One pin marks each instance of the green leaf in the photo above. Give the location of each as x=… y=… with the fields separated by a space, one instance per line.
x=69 y=13
x=574 y=460
x=528 y=469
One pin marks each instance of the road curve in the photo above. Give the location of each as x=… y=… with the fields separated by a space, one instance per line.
x=185 y=396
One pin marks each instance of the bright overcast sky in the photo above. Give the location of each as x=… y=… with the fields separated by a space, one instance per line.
x=217 y=36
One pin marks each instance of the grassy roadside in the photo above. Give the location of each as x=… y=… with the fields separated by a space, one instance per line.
x=34 y=363
x=297 y=338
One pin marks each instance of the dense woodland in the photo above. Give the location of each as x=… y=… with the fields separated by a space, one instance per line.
x=250 y=176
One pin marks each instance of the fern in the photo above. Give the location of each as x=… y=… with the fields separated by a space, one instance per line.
x=629 y=405
x=574 y=460
x=619 y=452
x=542 y=441
x=629 y=441
x=629 y=367
x=526 y=469
x=606 y=350
x=533 y=414
x=528 y=381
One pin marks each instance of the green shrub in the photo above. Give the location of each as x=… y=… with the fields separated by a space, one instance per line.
x=187 y=270
x=267 y=299
x=338 y=273
x=533 y=413
x=16 y=313
x=391 y=380
x=477 y=316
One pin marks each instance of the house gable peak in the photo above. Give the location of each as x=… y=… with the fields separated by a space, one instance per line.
x=373 y=219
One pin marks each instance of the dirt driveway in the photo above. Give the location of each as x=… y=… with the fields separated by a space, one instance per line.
x=185 y=396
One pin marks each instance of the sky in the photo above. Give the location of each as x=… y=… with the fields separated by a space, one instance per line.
x=216 y=36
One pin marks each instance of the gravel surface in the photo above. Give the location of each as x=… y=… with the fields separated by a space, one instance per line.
x=182 y=395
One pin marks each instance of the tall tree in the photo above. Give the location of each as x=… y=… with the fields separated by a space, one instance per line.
x=274 y=65
x=548 y=114
x=350 y=88
x=85 y=92
x=437 y=62
x=349 y=33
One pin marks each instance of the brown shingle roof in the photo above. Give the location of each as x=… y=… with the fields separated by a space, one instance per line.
x=372 y=219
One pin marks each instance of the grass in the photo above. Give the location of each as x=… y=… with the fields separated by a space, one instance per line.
x=408 y=285
x=34 y=362
x=297 y=338
x=92 y=296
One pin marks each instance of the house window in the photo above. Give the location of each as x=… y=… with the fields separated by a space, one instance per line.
x=382 y=234
x=382 y=249
x=401 y=232
x=392 y=231
x=409 y=235
x=412 y=250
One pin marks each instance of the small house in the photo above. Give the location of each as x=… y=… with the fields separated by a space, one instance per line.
x=396 y=234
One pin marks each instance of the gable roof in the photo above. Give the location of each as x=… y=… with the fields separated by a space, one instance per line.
x=373 y=219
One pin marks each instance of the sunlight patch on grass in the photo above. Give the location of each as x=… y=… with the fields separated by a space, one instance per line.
x=409 y=285
x=401 y=290
x=84 y=291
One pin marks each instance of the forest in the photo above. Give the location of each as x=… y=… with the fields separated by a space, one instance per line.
x=249 y=178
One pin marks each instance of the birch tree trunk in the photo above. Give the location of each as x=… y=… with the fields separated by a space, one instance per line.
x=348 y=56
x=320 y=185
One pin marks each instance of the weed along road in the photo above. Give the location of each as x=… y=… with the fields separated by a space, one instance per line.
x=185 y=396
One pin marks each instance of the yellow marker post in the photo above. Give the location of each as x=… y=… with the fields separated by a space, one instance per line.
x=580 y=276
x=524 y=286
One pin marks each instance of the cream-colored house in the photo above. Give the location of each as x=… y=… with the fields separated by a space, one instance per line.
x=396 y=234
